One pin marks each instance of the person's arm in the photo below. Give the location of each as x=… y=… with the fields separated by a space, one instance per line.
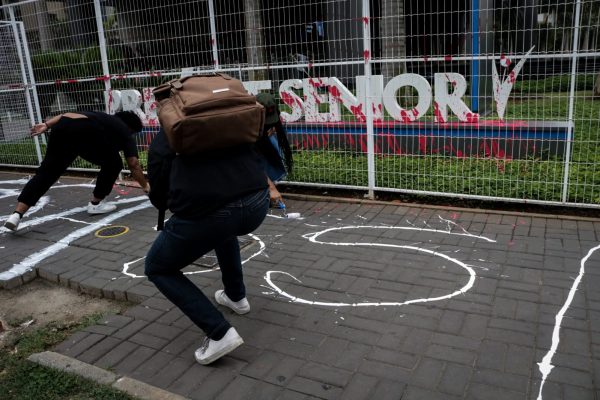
x=274 y=194
x=137 y=173
x=38 y=129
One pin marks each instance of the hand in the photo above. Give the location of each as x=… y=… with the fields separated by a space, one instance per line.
x=147 y=188
x=38 y=129
x=274 y=195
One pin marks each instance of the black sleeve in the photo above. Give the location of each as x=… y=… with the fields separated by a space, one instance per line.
x=130 y=147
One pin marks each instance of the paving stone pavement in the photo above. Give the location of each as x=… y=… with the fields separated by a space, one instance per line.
x=353 y=301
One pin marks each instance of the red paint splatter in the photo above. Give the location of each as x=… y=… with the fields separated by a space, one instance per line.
x=358 y=113
x=317 y=98
x=423 y=144
x=512 y=78
x=366 y=55
x=290 y=100
x=316 y=83
x=123 y=192
x=472 y=118
x=335 y=92
x=438 y=114
x=365 y=20
x=448 y=58
x=404 y=116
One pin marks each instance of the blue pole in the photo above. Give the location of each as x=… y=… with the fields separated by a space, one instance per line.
x=475 y=51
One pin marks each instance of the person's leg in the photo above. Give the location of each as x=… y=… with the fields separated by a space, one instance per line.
x=109 y=172
x=254 y=209
x=230 y=263
x=178 y=245
x=59 y=155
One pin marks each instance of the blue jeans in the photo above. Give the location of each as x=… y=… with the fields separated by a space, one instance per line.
x=183 y=240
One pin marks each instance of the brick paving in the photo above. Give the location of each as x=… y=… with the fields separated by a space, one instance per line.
x=387 y=302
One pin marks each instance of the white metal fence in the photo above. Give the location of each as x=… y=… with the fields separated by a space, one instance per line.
x=489 y=99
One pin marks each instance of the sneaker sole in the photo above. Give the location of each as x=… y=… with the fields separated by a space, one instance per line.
x=11 y=226
x=225 y=350
x=235 y=310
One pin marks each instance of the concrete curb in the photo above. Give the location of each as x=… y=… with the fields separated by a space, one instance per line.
x=332 y=199
x=125 y=384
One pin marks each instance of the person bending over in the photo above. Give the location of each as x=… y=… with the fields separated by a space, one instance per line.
x=215 y=197
x=96 y=137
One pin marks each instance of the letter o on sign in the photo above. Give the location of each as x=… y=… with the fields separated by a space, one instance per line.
x=391 y=103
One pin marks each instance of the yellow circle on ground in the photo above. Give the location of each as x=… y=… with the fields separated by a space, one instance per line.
x=111 y=231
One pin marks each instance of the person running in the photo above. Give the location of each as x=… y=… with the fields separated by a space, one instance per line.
x=96 y=137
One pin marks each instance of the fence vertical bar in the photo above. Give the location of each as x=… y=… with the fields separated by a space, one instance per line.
x=565 y=188
x=103 y=54
x=34 y=92
x=213 y=34
x=366 y=19
x=18 y=41
x=475 y=32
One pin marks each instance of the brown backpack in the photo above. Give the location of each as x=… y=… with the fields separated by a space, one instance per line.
x=207 y=112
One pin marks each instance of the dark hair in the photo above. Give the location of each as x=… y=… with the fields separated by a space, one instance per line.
x=269 y=152
x=131 y=119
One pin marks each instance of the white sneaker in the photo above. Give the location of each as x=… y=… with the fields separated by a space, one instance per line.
x=12 y=222
x=212 y=350
x=240 y=307
x=100 y=208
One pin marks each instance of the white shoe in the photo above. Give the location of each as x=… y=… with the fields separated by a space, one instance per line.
x=100 y=208
x=240 y=307
x=212 y=350
x=12 y=222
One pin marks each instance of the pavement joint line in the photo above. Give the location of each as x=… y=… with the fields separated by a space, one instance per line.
x=125 y=384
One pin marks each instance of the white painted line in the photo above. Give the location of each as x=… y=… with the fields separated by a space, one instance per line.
x=546 y=366
x=313 y=238
x=46 y=218
x=128 y=265
x=32 y=260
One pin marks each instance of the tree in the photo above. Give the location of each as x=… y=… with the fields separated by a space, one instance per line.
x=255 y=48
x=392 y=33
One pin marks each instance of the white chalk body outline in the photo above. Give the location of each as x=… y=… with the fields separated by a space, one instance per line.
x=127 y=265
x=33 y=259
x=313 y=238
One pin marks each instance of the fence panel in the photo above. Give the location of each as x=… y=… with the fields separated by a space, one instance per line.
x=16 y=108
x=481 y=99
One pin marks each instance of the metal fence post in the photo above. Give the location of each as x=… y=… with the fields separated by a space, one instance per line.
x=369 y=111
x=213 y=34
x=36 y=99
x=19 y=41
x=103 y=54
x=570 y=134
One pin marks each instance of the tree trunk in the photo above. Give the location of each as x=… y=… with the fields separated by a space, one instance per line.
x=255 y=49
x=392 y=33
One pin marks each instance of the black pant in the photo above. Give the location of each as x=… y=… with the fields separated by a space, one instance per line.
x=64 y=145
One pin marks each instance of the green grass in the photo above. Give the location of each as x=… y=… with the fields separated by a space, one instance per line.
x=534 y=178
x=23 y=380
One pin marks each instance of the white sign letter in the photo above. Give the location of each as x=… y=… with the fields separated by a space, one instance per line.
x=391 y=102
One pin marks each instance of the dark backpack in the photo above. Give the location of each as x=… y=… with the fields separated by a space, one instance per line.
x=160 y=158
